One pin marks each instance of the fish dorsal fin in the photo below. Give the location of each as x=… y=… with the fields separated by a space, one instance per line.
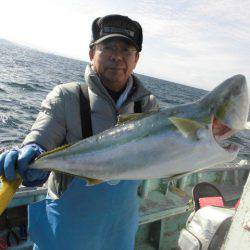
x=92 y=182
x=129 y=117
x=123 y=118
x=187 y=127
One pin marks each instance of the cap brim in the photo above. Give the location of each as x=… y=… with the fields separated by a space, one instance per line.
x=110 y=36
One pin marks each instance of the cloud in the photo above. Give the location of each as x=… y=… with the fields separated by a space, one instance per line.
x=200 y=44
x=197 y=43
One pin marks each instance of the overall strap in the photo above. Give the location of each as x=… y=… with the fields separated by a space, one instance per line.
x=60 y=181
x=85 y=111
x=137 y=107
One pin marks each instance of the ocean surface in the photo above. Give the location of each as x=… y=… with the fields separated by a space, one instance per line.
x=27 y=75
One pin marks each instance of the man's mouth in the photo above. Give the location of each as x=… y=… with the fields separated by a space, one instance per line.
x=221 y=132
x=116 y=68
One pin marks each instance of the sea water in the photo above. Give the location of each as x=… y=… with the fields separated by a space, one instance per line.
x=27 y=75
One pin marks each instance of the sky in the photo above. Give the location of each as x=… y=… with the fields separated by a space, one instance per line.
x=196 y=43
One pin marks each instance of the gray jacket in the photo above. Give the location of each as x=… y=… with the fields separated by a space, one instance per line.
x=59 y=121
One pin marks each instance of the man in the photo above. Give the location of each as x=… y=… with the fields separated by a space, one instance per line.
x=76 y=216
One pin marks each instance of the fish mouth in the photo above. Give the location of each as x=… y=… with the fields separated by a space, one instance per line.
x=221 y=132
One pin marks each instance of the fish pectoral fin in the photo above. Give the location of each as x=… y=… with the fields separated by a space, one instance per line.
x=92 y=182
x=187 y=127
x=7 y=191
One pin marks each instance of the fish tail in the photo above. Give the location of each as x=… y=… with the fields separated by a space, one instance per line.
x=7 y=191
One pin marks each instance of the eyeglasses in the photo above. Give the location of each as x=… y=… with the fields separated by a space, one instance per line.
x=110 y=50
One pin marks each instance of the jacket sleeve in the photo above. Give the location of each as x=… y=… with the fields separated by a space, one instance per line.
x=49 y=129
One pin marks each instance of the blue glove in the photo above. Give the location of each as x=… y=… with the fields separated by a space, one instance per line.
x=7 y=164
x=19 y=160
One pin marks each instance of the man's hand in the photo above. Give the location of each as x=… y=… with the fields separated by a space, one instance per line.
x=18 y=160
x=8 y=161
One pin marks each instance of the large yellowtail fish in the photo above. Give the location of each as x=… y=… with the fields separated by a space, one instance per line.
x=163 y=143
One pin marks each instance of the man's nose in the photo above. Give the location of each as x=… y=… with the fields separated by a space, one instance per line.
x=117 y=55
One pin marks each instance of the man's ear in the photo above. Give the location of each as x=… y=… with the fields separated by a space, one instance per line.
x=137 y=56
x=91 y=54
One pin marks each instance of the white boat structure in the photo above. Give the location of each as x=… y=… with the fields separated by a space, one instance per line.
x=238 y=236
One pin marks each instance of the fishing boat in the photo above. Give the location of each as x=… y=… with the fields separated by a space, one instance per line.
x=165 y=205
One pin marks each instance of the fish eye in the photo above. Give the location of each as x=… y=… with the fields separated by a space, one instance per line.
x=201 y=133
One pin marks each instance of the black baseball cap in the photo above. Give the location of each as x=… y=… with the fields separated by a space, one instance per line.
x=116 y=26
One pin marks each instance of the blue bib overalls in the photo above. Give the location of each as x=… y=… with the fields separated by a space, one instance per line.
x=101 y=217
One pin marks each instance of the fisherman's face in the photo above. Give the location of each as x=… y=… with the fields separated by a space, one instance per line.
x=114 y=61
